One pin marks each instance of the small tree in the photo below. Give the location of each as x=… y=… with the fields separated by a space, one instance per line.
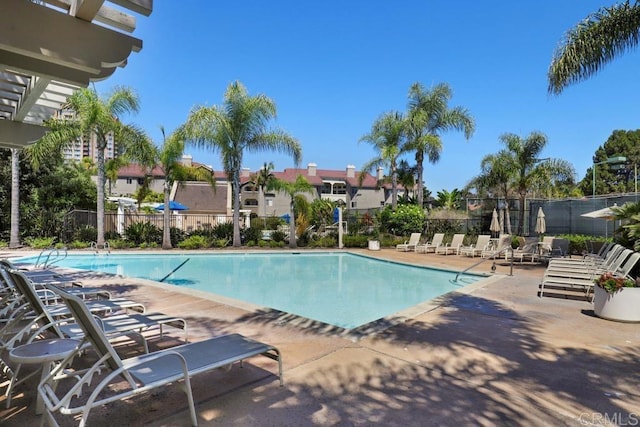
x=300 y=185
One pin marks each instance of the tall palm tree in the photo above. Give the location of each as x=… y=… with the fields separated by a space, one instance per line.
x=169 y=157
x=429 y=116
x=100 y=117
x=300 y=185
x=594 y=42
x=388 y=137
x=236 y=127
x=529 y=170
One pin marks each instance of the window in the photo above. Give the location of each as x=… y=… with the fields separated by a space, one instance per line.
x=250 y=187
x=354 y=205
x=140 y=181
x=251 y=202
x=129 y=181
x=339 y=189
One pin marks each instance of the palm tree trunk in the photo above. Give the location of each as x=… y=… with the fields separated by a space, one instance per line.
x=236 y=209
x=420 y=173
x=394 y=187
x=14 y=239
x=292 y=228
x=521 y=215
x=100 y=201
x=166 y=219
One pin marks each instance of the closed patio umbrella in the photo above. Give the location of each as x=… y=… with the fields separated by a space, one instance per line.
x=495 y=223
x=541 y=224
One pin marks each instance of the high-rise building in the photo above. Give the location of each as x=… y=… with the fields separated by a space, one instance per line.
x=86 y=146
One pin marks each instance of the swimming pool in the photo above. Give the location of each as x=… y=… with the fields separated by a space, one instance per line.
x=341 y=289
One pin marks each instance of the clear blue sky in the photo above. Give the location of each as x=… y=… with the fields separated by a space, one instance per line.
x=333 y=67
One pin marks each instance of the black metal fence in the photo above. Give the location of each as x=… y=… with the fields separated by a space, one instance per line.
x=561 y=216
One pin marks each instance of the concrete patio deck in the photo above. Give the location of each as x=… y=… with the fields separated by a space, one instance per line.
x=498 y=355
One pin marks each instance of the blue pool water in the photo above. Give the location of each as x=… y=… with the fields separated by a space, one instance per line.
x=340 y=289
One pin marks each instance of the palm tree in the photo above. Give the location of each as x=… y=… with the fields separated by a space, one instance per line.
x=300 y=185
x=450 y=200
x=528 y=169
x=497 y=174
x=262 y=179
x=111 y=169
x=429 y=116
x=236 y=127
x=594 y=42
x=169 y=156
x=407 y=177
x=99 y=117
x=388 y=138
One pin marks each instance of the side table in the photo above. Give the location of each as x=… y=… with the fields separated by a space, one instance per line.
x=45 y=353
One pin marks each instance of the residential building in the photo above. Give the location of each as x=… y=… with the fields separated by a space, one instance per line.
x=341 y=186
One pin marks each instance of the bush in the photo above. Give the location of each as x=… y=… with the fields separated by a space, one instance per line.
x=194 y=242
x=109 y=235
x=578 y=242
x=329 y=241
x=355 y=241
x=406 y=219
x=78 y=244
x=223 y=231
x=143 y=232
x=177 y=236
x=220 y=243
x=119 y=244
x=251 y=234
x=40 y=242
x=278 y=236
x=86 y=233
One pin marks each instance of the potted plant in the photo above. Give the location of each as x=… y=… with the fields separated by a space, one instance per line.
x=617 y=298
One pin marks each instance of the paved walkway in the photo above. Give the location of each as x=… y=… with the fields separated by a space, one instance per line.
x=499 y=355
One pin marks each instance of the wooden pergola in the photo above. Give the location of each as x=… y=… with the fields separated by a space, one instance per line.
x=49 y=48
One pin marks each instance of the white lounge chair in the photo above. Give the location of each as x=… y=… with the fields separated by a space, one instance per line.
x=140 y=374
x=495 y=250
x=457 y=242
x=41 y=323
x=476 y=249
x=530 y=250
x=409 y=245
x=435 y=243
x=585 y=282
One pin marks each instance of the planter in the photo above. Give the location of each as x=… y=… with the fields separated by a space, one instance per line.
x=374 y=245
x=621 y=306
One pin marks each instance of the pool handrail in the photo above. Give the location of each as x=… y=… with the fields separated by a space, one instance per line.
x=493 y=267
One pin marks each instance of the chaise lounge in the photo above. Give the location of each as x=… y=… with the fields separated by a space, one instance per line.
x=141 y=374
